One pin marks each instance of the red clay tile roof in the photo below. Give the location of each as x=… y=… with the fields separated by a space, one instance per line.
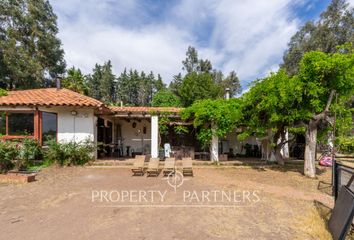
x=48 y=97
x=145 y=109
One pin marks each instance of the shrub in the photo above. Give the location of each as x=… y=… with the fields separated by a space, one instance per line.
x=8 y=153
x=29 y=150
x=70 y=153
x=346 y=144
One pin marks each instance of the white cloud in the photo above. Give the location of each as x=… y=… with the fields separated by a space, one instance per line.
x=246 y=36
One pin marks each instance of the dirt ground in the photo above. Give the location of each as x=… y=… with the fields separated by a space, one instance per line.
x=60 y=206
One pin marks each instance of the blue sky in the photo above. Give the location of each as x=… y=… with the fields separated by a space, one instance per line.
x=248 y=36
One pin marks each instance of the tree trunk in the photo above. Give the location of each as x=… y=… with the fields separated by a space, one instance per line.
x=279 y=156
x=278 y=140
x=214 y=149
x=311 y=139
x=214 y=145
x=310 y=149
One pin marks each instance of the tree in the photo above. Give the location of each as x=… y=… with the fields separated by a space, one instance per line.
x=158 y=84
x=107 y=83
x=30 y=52
x=93 y=82
x=213 y=119
x=145 y=89
x=196 y=83
x=322 y=76
x=138 y=89
x=335 y=27
x=196 y=86
x=165 y=98
x=233 y=83
x=176 y=83
x=191 y=63
x=75 y=81
x=272 y=103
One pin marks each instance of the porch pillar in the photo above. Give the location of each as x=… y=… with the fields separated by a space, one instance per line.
x=214 y=147
x=286 y=145
x=154 y=136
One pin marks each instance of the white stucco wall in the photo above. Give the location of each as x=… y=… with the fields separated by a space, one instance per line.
x=238 y=146
x=70 y=128
x=78 y=127
x=134 y=137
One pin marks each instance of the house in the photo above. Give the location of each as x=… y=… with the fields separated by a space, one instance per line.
x=65 y=115
x=124 y=131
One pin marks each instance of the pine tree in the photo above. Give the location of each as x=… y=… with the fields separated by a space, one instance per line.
x=94 y=81
x=107 y=83
x=158 y=84
x=176 y=83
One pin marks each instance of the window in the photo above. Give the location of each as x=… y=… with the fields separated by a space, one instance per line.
x=49 y=126
x=2 y=123
x=21 y=124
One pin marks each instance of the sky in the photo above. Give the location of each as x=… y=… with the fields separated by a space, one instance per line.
x=247 y=36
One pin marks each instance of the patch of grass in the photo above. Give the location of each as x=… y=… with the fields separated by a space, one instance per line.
x=314 y=224
x=35 y=167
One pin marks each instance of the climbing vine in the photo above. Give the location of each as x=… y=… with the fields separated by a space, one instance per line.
x=213 y=117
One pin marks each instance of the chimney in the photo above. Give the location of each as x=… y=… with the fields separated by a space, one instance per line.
x=121 y=103
x=58 y=82
x=227 y=93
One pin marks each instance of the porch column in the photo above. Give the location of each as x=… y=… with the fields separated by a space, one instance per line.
x=286 y=145
x=154 y=136
x=214 y=147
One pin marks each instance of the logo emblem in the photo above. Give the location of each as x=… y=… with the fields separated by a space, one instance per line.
x=175 y=179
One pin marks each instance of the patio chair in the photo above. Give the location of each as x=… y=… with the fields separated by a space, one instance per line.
x=153 y=167
x=169 y=166
x=138 y=166
x=187 y=166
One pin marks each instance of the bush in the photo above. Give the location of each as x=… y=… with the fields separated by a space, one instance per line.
x=8 y=153
x=346 y=144
x=29 y=150
x=70 y=153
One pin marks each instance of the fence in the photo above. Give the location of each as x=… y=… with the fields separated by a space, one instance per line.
x=343 y=175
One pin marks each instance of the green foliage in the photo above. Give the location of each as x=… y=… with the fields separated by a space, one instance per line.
x=164 y=122
x=101 y=83
x=179 y=129
x=3 y=92
x=19 y=155
x=8 y=153
x=233 y=83
x=165 y=98
x=319 y=74
x=202 y=81
x=272 y=102
x=107 y=83
x=345 y=144
x=29 y=149
x=213 y=117
x=75 y=81
x=334 y=27
x=198 y=86
x=93 y=82
x=30 y=52
x=138 y=89
x=70 y=153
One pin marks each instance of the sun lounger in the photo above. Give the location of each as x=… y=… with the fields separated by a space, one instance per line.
x=187 y=166
x=169 y=166
x=138 y=166
x=153 y=167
